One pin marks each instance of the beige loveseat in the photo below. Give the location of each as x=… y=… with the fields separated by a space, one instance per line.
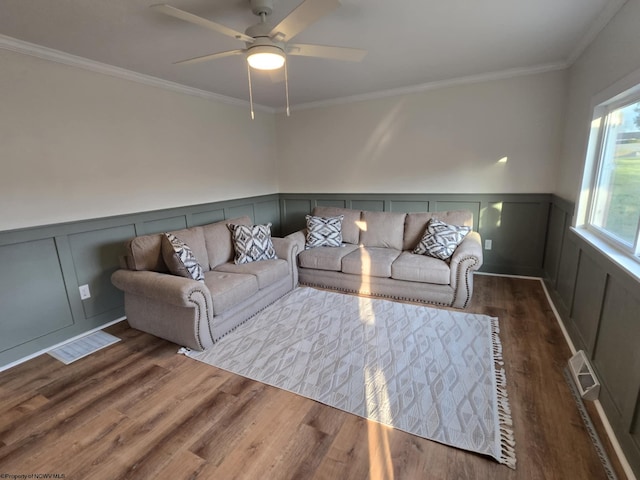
x=376 y=258
x=196 y=314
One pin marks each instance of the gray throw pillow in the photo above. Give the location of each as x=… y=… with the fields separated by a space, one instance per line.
x=252 y=243
x=324 y=231
x=180 y=259
x=440 y=239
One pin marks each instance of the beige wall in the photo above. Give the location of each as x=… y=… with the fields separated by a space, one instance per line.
x=76 y=144
x=614 y=54
x=446 y=140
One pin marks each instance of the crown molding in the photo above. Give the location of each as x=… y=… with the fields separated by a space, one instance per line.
x=57 y=56
x=608 y=12
x=483 y=77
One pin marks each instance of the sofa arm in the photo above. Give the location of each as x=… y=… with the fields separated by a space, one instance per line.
x=287 y=248
x=165 y=288
x=465 y=260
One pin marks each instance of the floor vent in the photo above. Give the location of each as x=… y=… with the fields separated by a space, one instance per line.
x=83 y=346
x=583 y=376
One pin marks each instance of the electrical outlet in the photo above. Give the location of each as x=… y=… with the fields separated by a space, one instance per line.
x=488 y=244
x=84 y=292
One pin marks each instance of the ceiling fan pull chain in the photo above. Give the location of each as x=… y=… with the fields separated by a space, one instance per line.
x=250 y=92
x=286 y=86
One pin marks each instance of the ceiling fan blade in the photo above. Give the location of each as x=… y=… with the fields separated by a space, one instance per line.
x=301 y=17
x=324 y=51
x=205 y=58
x=203 y=22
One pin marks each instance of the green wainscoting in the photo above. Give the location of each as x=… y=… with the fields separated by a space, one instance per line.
x=42 y=267
x=515 y=223
x=599 y=303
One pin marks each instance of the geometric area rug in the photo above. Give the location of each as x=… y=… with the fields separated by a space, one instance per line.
x=431 y=372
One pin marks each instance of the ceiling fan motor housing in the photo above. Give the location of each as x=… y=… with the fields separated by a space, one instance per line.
x=262 y=7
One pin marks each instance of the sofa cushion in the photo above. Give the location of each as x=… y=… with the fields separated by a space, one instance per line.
x=416 y=224
x=370 y=261
x=229 y=289
x=267 y=272
x=180 y=259
x=420 y=268
x=382 y=229
x=325 y=258
x=217 y=237
x=440 y=239
x=252 y=243
x=350 y=224
x=323 y=231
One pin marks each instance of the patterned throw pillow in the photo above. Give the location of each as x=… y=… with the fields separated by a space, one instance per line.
x=180 y=259
x=324 y=231
x=441 y=239
x=252 y=243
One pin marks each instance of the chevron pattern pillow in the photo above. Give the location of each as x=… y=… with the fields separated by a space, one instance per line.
x=324 y=231
x=252 y=243
x=440 y=239
x=180 y=259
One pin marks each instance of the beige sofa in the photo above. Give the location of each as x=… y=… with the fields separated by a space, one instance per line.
x=196 y=314
x=376 y=258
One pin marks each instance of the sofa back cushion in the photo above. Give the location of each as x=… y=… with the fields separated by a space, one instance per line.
x=145 y=251
x=350 y=223
x=217 y=238
x=382 y=229
x=416 y=224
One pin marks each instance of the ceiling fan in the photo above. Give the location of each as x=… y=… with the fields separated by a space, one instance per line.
x=266 y=46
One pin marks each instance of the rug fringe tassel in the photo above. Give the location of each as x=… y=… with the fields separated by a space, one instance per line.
x=505 y=422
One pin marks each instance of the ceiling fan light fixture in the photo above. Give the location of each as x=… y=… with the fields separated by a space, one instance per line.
x=265 y=57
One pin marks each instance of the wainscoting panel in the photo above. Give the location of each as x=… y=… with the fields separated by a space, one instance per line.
x=567 y=270
x=206 y=217
x=164 y=225
x=599 y=302
x=408 y=206
x=617 y=353
x=331 y=203
x=588 y=298
x=368 y=204
x=32 y=292
x=239 y=211
x=513 y=228
x=635 y=426
x=96 y=255
x=555 y=232
x=293 y=211
x=268 y=212
x=42 y=268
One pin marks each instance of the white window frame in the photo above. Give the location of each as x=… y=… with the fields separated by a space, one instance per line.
x=623 y=93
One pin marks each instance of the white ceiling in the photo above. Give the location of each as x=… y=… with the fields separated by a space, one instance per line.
x=409 y=42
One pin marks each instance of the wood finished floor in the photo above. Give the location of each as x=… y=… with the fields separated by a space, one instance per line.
x=139 y=410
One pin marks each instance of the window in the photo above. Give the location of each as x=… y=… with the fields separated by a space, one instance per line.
x=613 y=210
